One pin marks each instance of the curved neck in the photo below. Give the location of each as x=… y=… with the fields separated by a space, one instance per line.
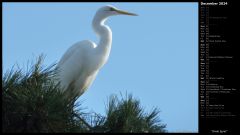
x=104 y=33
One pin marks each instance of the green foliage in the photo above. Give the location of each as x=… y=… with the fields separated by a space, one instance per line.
x=126 y=115
x=33 y=102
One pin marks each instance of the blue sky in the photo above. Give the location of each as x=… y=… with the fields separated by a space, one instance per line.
x=154 y=56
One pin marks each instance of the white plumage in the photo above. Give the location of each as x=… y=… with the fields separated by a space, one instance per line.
x=80 y=64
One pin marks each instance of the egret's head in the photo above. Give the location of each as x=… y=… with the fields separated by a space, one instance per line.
x=109 y=10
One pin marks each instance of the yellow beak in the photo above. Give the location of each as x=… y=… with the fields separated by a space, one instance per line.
x=125 y=12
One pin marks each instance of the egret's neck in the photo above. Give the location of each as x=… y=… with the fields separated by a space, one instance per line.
x=105 y=35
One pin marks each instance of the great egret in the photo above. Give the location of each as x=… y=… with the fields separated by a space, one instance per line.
x=80 y=64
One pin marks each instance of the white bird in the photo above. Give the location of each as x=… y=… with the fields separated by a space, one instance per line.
x=81 y=63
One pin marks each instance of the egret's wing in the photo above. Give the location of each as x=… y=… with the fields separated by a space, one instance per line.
x=70 y=65
x=67 y=54
x=74 y=48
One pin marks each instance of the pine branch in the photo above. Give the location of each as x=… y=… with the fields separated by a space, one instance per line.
x=32 y=101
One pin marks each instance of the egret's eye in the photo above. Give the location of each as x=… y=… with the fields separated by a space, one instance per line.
x=111 y=9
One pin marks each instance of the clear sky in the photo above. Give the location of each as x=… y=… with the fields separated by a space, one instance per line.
x=154 y=55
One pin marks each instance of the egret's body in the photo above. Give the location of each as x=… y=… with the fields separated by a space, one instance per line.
x=81 y=63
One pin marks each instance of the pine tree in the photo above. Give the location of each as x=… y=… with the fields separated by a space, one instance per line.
x=33 y=102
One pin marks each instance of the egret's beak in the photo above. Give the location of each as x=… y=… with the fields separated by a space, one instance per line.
x=125 y=12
